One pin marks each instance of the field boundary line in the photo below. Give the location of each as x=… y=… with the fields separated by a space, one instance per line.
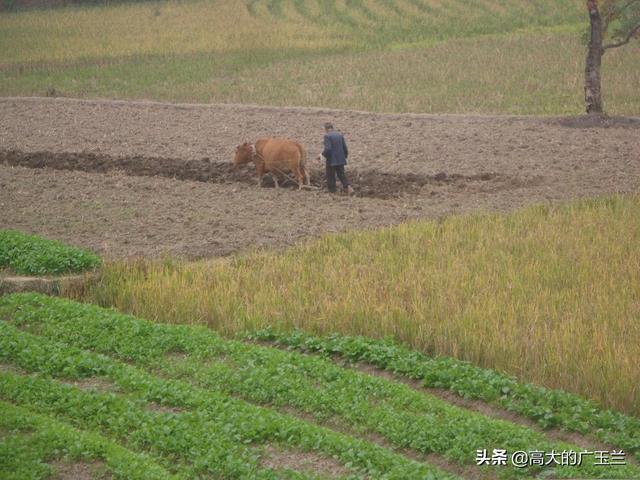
x=274 y=108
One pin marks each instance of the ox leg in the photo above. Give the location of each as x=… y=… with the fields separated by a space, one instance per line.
x=300 y=177
x=307 y=177
x=275 y=180
x=260 y=173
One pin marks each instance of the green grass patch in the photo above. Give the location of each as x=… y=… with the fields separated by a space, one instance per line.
x=34 y=255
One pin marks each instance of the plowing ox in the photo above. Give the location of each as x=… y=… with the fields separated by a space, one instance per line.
x=275 y=156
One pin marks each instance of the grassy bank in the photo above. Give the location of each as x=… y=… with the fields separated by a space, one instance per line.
x=547 y=293
x=395 y=56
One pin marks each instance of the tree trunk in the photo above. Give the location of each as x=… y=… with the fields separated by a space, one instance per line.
x=592 y=94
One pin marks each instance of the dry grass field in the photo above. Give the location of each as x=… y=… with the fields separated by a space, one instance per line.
x=547 y=294
x=489 y=56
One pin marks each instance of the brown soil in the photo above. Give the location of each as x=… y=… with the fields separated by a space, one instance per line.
x=597 y=121
x=4 y=367
x=279 y=458
x=371 y=183
x=156 y=407
x=148 y=179
x=176 y=357
x=80 y=471
x=93 y=384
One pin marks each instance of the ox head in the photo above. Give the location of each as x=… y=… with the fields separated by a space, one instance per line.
x=244 y=154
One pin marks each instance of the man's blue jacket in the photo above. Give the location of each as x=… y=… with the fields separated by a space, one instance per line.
x=335 y=149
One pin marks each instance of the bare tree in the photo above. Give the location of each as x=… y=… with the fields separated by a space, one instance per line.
x=617 y=21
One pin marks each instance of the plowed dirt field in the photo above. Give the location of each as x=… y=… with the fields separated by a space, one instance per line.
x=145 y=178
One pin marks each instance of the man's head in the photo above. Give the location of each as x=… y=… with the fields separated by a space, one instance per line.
x=328 y=127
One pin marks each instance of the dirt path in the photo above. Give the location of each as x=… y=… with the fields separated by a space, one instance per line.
x=136 y=178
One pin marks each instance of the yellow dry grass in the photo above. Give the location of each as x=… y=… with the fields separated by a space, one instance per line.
x=148 y=28
x=551 y=294
x=485 y=56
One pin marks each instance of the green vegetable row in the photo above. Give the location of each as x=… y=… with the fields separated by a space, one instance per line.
x=31 y=440
x=549 y=408
x=406 y=418
x=34 y=255
x=212 y=432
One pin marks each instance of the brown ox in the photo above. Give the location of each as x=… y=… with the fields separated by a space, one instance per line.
x=275 y=156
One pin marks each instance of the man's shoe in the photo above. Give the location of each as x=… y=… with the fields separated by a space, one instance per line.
x=350 y=190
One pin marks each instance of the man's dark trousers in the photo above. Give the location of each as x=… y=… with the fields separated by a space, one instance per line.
x=332 y=171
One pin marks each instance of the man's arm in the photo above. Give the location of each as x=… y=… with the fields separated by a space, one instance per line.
x=346 y=150
x=326 y=153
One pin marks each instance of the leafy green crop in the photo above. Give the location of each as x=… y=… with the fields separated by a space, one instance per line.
x=212 y=433
x=37 y=438
x=34 y=255
x=549 y=408
x=216 y=384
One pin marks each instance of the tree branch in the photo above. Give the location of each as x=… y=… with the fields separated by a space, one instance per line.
x=625 y=40
x=629 y=3
x=613 y=11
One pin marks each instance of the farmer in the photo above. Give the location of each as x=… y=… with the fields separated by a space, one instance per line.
x=335 y=152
